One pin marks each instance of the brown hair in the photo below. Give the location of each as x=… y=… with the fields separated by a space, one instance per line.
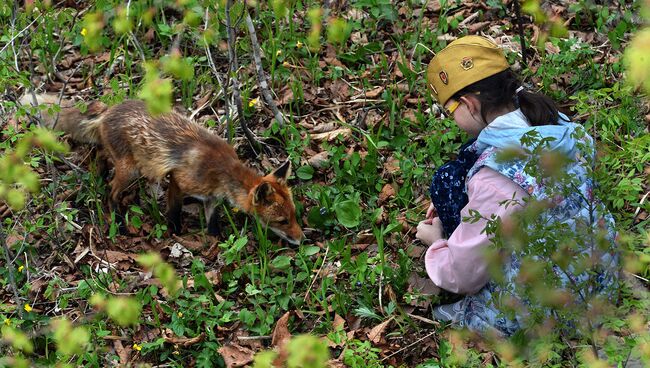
x=500 y=91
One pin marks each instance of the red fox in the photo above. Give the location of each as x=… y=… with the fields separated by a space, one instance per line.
x=197 y=162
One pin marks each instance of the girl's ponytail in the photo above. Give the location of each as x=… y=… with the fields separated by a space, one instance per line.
x=538 y=108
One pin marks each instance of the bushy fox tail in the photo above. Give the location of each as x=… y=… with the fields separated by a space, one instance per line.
x=82 y=127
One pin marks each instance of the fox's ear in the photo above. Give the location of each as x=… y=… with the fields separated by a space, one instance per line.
x=283 y=172
x=262 y=192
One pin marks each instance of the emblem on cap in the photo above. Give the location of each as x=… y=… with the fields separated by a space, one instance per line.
x=443 y=77
x=467 y=63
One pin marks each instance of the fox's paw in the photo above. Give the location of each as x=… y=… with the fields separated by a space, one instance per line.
x=213 y=225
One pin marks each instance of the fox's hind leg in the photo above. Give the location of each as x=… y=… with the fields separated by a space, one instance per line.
x=211 y=216
x=174 y=205
x=125 y=173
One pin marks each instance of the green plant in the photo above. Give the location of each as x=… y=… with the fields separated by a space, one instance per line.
x=360 y=354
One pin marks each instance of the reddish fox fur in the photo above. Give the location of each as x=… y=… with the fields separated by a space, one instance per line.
x=197 y=162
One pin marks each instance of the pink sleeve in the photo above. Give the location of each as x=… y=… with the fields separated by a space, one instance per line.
x=458 y=264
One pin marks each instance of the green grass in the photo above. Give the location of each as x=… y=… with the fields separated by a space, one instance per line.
x=354 y=265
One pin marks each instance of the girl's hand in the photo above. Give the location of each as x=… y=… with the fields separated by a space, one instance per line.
x=429 y=216
x=429 y=231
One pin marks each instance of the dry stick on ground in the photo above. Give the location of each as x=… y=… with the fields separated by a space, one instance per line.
x=261 y=77
x=232 y=57
x=409 y=345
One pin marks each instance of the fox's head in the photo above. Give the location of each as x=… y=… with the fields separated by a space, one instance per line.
x=272 y=201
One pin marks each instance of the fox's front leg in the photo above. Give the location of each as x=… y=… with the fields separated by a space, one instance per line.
x=124 y=175
x=174 y=206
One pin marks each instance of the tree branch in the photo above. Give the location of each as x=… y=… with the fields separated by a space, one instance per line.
x=261 y=77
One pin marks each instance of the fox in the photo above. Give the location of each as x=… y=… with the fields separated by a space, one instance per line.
x=196 y=162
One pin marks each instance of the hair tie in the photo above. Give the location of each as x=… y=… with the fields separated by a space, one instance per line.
x=521 y=88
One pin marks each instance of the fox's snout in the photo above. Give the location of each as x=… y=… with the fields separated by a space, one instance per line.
x=293 y=235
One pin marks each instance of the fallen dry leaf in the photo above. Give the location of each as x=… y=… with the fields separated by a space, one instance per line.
x=184 y=341
x=235 y=355
x=338 y=324
x=180 y=255
x=338 y=321
x=387 y=192
x=323 y=127
x=375 y=92
x=330 y=136
x=318 y=160
x=281 y=332
x=113 y=256
x=415 y=251
x=335 y=363
x=423 y=286
x=376 y=333
x=121 y=352
x=286 y=96
x=392 y=165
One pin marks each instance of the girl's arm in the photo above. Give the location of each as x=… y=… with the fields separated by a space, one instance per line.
x=457 y=264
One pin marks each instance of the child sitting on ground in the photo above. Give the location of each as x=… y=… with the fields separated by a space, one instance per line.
x=473 y=81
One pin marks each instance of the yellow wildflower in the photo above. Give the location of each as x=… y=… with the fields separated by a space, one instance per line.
x=286 y=64
x=235 y=209
x=20 y=269
x=28 y=308
x=299 y=45
x=7 y=322
x=278 y=53
x=175 y=352
x=252 y=102
x=180 y=314
x=84 y=32
x=137 y=347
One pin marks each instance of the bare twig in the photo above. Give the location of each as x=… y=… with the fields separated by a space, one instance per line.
x=11 y=270
x=261 y=77
x=218 y=75
x=65 y=84
x=232 y=57
x=524 y=53
x=249 y=338
x=10 y=42
x=136 y=43
x=409 y=345
x=14 y=12
x=469 y=19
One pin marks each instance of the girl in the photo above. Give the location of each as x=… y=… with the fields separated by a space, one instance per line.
x=472 y=80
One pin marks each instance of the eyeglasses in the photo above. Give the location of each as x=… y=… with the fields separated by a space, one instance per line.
x=454 y=105
x=450 y=110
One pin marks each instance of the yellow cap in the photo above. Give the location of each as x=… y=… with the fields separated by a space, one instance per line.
x=464 y=61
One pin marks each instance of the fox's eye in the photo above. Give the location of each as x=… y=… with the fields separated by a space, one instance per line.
x=283 y=222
